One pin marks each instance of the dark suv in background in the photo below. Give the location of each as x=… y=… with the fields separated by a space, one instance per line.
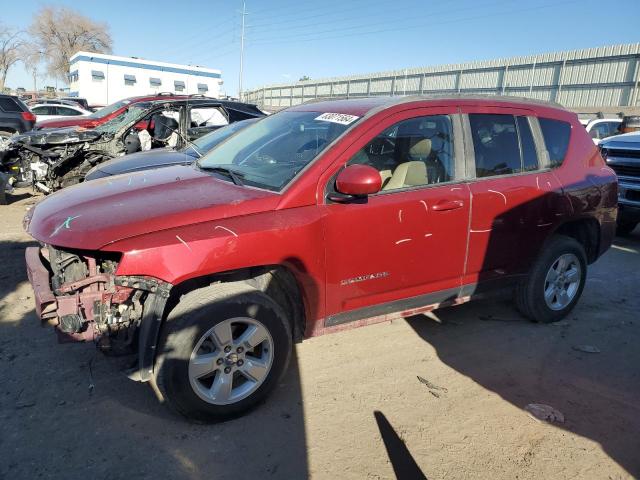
x=14 y=116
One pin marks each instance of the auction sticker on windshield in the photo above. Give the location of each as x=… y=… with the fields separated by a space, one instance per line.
x=341 y=118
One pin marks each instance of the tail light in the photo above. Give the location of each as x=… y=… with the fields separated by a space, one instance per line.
x=28 y=116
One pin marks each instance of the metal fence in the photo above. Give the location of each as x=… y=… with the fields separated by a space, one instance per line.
x=595 y=77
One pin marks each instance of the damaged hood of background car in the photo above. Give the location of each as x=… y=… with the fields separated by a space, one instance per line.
x=57 y=136
x=92 y=215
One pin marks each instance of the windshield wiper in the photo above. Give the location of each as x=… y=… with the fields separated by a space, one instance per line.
x=236 y=177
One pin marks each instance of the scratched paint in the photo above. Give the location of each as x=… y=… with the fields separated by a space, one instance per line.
x=428 y=234
x=404 y=240
x=184 y=243
x=66 y=225
x=426 y=207
x=480 y=231
x=220 y=227
x=400 y=216
x=504 y=198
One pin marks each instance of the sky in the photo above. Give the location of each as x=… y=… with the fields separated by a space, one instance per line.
x=288 y=39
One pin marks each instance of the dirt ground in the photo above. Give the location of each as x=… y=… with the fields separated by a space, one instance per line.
x=351 y=405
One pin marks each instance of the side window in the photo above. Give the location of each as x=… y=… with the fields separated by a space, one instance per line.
x=556 y=135
x=527 y=145
x=413 y=152
x=613 y=128
x=496 y=145
x=67 y=111
x=206 y=117
x=600 y=130
x=8 y=105
x=44 y=110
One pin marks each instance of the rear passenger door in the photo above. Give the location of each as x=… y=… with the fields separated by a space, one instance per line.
x=405 y=246
x=512 y=193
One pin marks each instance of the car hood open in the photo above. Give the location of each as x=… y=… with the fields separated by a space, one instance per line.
x=92 y=215
x=56 y=136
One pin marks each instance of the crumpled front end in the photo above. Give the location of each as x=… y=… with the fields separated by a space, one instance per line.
x=81 y=296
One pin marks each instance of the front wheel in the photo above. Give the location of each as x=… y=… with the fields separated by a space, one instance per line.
x=555 y=282
x=223 y=350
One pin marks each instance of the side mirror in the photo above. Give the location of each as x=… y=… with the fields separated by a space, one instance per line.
x=357 y=181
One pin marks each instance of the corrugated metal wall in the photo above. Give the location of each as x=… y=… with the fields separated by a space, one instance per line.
x=594 y=77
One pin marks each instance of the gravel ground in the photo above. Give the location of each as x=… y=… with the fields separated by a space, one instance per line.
x=441 y=396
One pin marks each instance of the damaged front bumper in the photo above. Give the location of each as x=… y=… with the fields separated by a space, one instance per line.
x=102 y=307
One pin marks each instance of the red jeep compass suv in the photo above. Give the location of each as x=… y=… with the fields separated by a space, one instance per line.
x=321 y=217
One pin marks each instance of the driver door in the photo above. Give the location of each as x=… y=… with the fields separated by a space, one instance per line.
x=405 y=246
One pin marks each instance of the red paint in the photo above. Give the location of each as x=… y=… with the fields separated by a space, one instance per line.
x=179 y=223
x=359 y=180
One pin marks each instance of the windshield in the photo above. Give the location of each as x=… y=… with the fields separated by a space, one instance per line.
x=133 y=113
x=207 y=142
x=271 y=152
x=109 y=109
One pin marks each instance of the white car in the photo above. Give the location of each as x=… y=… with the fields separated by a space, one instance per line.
x=601 y=128
x=46 y=111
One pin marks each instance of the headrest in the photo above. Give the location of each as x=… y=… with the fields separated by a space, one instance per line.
x=421 y=149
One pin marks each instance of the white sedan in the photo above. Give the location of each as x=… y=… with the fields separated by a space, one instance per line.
x=46 y=111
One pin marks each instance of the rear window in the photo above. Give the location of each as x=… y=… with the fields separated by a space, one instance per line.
x=9 y=105
x=556 y=135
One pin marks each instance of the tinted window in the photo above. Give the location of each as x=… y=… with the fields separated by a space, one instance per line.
x=44 y=110
x=556 y=135
x=9 y=105
x=496 y=145
x=527 y=145
x=67 y=111
x=414 y=152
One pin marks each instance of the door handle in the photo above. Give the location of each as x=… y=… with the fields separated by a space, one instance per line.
x=445 y=205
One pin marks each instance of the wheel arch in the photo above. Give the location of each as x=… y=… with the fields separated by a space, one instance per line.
x=278 y=281
x=586 y=231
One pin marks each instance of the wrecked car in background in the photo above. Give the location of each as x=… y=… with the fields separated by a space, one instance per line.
x=166 y=157
x=51 y=159
x=321 y=217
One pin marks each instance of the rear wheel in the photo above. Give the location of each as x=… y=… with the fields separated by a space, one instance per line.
x=555 y=282
x=223 y=350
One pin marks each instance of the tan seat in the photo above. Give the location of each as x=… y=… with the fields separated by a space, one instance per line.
x=421 y=150
x=361 y=158
x=408 y=174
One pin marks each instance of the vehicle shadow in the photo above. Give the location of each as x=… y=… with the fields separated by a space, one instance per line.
x=76 y=408
x=524 y=362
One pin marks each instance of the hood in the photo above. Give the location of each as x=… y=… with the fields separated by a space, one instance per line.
x=622 y=141
x=55 y=136
x=91 y=215
x=142 y=161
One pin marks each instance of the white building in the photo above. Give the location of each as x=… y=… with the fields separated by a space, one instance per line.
x=104 y=79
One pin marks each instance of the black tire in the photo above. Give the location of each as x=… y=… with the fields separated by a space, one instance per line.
x=195 y=314
x=529 y=294
x=624 y=229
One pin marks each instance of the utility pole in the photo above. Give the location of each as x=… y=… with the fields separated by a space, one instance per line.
x=35 y=86
x=244 y=13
